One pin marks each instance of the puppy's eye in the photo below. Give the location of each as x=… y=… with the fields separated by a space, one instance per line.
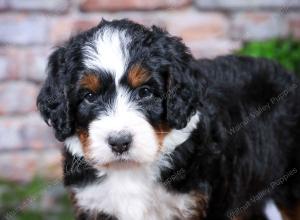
x=144 y=92
x=90 y=97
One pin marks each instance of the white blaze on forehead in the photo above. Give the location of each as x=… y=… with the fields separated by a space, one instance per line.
x=108 y=51
x=122 y=104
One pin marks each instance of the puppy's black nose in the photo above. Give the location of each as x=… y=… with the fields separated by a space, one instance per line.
x=119 y=141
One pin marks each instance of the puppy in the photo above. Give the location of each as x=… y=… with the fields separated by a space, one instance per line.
x=152 y=133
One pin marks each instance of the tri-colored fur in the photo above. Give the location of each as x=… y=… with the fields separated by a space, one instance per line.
x=152 y=133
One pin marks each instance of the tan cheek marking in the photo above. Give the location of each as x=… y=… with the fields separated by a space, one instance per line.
x=291 y=214
x=297 y=212
x=237 y=218
x=91 y=82
x=137 y=76
x=162 y=130
x=84 y=139
x=200 y=207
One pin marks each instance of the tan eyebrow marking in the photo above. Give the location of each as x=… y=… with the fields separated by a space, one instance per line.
x=91 y=81
x=137 y=75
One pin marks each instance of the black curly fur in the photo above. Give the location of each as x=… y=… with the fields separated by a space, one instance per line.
x=238 y=162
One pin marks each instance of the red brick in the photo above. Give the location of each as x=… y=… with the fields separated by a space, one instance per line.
x=23 y=29
x=10 y=133
x=83 y=25
x=294 y=25
x=3 y=5
x=24 y=165
x=211 y=48
x=39 y=5
x=38 y=58
x=15 y=62
x=119 y=5
x=13 y=59
x=26 y=132
x=258 y=25
x=17 y=97
x=36 y=134
x=60 y=30
x=246 y=5
x=153 y=18
x=195 y=26
x=4 y=63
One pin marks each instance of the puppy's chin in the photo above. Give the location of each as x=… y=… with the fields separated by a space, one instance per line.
x=119 y=163
x=122 y=165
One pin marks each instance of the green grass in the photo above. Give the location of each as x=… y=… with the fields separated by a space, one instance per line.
x=36 y=200
x=285 y=51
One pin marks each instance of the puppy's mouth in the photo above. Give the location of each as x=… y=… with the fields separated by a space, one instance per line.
x=122 y=164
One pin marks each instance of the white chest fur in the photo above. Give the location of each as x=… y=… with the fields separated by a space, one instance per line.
x=134 y=194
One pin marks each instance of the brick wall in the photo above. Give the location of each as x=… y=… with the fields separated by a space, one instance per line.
x=29 y=30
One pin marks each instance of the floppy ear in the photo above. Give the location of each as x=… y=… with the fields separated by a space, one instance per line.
x=181 y=100
x=182 y=87
x=52 y=100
